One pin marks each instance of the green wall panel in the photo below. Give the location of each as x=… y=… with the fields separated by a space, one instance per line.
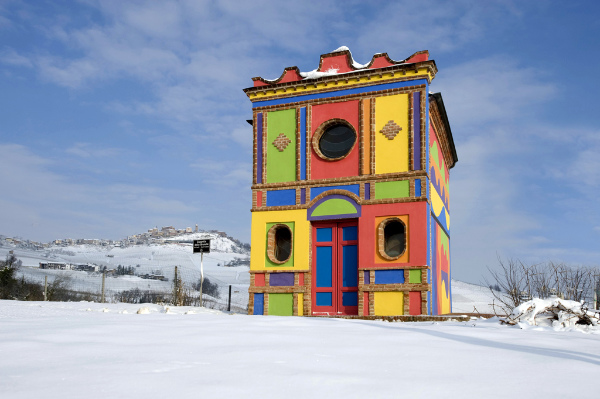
x=392 y=189
x=335 y=206
x=281 y=165
x=414 y=276
x=281 y=304
x=290 y=262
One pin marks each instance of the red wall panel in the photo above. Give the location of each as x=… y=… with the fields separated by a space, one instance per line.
x=417 y=233
x=320 y=168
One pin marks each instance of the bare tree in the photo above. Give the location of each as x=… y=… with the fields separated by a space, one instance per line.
x=518 y=282
x=512 y=279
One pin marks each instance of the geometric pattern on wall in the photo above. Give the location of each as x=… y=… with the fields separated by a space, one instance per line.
x=390 y=130
x=442 y=302
x=281 y=142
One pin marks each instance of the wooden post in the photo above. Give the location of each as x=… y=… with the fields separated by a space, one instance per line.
x=103 y=285
x=201 y=275
x=45 y=288
x=176 y=288
x=229 y=300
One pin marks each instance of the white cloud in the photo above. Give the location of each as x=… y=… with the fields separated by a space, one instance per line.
x=495 y=89
x=88 y=150
x=433 y=25
x=11 y=57
x=44 y=205
x=224 y=173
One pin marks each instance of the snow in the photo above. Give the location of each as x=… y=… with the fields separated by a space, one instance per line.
x=471 y=298
x=74 y=350
x=341 y=48
x=556 y=313
x=314 y=74
x=354 y=63
x=466 y=298
x=150 y=258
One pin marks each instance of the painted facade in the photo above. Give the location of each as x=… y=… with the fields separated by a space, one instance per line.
x=350 y=194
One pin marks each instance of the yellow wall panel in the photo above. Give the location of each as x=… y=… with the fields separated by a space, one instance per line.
x=391 y=155
x=437 y=206
x=300 y=304
x=389 y=303
x=259 y=241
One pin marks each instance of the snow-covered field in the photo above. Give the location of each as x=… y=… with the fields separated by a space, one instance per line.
x=90 y=350
x=467 y=298
x=145 y=259
x=471 y=298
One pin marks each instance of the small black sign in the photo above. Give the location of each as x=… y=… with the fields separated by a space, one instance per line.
x=201 y=246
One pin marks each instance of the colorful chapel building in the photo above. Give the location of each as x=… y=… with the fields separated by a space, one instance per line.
x=350 y=199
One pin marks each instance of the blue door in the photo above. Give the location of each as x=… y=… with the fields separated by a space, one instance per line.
x=335 y=268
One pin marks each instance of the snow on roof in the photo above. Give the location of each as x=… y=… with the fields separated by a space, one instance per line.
x=316 y=74
x=339 y=61
x=333 y=71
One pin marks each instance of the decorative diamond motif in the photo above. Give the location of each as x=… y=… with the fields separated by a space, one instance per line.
x=390 y=130
x=281 y=142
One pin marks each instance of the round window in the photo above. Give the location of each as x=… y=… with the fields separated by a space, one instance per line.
x=392 y=242
x=336 y=141
x=279 y=243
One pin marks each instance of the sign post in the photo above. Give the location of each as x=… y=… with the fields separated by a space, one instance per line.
x=201 y=246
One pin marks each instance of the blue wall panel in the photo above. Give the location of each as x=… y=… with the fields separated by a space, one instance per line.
x=259 y=304
x=389 y=276
x=302 y=134
x=281 y=197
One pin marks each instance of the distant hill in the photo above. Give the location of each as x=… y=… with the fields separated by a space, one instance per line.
x=220 y=241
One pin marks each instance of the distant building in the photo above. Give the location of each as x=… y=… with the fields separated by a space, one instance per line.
x=55 y=265
x=88 y=267
x=90 y=241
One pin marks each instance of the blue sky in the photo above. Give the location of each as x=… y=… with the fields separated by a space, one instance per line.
x=117 y=116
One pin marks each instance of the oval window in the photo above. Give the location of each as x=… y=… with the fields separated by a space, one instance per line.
x=283 y=243
x=336 y=141
x=394 y=239
x=279 y=243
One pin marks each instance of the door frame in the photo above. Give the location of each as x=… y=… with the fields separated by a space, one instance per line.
x=337 y=307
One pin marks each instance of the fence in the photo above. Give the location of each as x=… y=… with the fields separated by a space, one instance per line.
x=175 y=285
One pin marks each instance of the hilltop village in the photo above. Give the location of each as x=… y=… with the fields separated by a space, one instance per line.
x=164 y=235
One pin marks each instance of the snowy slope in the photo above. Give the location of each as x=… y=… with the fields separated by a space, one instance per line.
x=149 y=258
x=145 y=259
x=471 y=298
x=87 y=350
x=466 y=298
